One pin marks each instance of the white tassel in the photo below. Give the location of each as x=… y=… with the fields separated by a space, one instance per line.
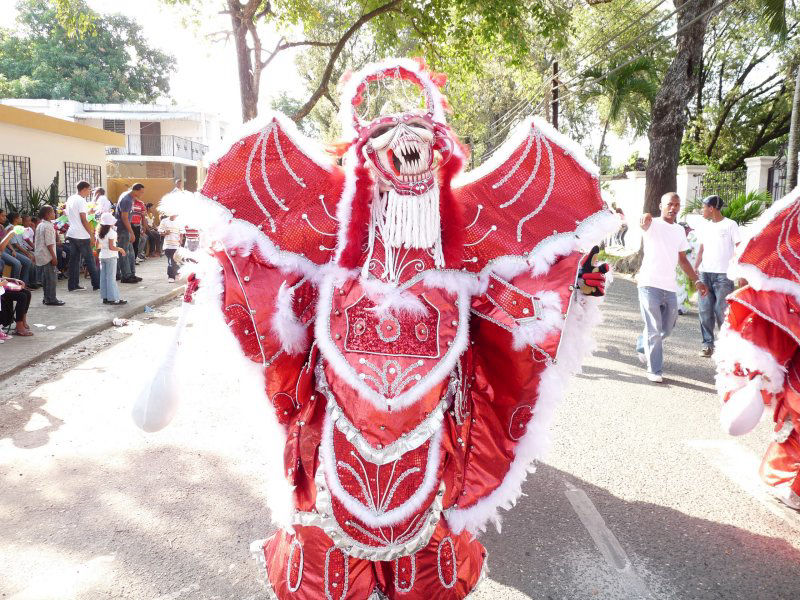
x=158 y=401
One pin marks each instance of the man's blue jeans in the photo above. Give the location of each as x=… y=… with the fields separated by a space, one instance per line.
x=659 y=310
x=712 y=306
x=81 y=248
x=126 y=264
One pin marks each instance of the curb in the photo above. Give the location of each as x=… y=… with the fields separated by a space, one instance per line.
x=129 y=313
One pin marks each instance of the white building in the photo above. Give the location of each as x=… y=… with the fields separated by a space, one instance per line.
x=161 y=141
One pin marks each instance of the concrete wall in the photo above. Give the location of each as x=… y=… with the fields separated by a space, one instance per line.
x=49 y=151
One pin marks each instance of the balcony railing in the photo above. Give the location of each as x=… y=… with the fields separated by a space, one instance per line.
x=160 y=145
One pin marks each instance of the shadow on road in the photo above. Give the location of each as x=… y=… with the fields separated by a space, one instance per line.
x=20 y=422
x=547 y=553
x=163 y=519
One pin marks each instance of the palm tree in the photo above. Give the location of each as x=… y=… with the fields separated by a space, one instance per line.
x=628 y=88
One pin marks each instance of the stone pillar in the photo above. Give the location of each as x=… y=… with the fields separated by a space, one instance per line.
x=689 y=180
x=758 y=173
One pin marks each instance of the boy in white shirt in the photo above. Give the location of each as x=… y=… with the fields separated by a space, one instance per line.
x=718 y=238
x=665 y=246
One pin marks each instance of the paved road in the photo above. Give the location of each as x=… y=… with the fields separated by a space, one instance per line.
x=641 y=496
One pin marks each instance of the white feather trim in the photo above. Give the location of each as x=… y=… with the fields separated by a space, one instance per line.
x=390 y=298
x=345 y=205
x=290 y=331
x=362 y=512
x=576 y=344
x=754 y=276
x=731 y=350
x=343 y=369
x=536 y=330
x=309 y=147
x=351 y=88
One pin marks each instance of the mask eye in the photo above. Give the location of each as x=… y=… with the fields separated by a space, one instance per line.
x=379 y=131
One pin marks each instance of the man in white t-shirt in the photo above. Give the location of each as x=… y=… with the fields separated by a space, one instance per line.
x=718 y=238
x=79 y=240
x=665 y=247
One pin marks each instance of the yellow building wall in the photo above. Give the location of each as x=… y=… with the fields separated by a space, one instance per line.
x=154 y=189
x=49 y=151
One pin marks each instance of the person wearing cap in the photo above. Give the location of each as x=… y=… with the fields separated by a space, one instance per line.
x=109 y=252
x=718 y=238
x=665 y=245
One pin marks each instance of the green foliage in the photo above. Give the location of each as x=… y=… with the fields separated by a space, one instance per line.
x=744 y=104
x=742 y=208
x=110 y=62
x=36 y=198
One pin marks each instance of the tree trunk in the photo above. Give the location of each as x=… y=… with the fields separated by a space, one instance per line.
x=248 y=88
x=668 y=117
x=602 y=145
x=791 y=151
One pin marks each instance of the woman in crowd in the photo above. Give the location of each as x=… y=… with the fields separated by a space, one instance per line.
x=153 y=237
x=14 y=299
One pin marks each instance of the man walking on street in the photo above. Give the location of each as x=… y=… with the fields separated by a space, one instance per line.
x=718 y=239
x=127 y=263
x=79 y=240
x=665 y=245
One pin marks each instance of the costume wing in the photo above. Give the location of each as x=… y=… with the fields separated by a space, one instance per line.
x=536 y=189
x=275 y=178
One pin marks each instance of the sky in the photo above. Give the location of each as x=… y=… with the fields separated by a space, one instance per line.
x=206 y=76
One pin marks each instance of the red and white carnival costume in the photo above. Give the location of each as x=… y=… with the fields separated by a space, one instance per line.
x=413 y=333
x=758 y=357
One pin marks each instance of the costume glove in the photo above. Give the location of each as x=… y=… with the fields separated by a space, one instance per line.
x=592 y=278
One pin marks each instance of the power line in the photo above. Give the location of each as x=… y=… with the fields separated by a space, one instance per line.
x=525 y=102
x=568 y=92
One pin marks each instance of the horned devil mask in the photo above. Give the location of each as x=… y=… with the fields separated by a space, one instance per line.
x=404 y=153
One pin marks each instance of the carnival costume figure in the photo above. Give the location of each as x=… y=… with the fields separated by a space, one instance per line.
x=759 y=362
x=412 y=331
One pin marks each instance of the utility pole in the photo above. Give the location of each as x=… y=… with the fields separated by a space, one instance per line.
x=555 y=95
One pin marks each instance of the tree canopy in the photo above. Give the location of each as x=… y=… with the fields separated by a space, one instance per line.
x=82 y=56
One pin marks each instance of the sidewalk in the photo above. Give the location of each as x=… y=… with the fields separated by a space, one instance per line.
x=83 y=315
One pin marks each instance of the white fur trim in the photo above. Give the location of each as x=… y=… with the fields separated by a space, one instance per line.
x=763 y=283
x=731 y=350
x=576 y=344
x=218 y=223
x=754 y=276
x=291 y=332
x=343 y=369
x=389 y=297
x=310 y=147
x=515 y=139
x=351 y=88
x=362 y=512
x=537 y=329
x=345 y=205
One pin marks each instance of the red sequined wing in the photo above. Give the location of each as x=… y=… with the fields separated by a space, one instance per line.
x=282 y=182
x=536 y=186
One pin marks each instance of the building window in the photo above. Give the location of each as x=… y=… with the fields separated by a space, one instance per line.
x=75 y=172
x=115 y=125
x=15 y=181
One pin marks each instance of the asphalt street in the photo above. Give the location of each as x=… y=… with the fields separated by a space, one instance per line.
x=642 y=495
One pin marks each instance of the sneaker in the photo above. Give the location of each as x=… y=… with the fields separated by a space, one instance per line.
x=655 y=378
x=118 y=302
x=706 y=352
x=171 y=280
x=138 y=260
x=80 y=287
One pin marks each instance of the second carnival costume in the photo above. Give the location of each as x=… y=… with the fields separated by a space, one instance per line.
x=413 y=331
x=758 y=364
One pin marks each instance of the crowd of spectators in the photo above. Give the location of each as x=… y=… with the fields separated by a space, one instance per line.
x=87 y=239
